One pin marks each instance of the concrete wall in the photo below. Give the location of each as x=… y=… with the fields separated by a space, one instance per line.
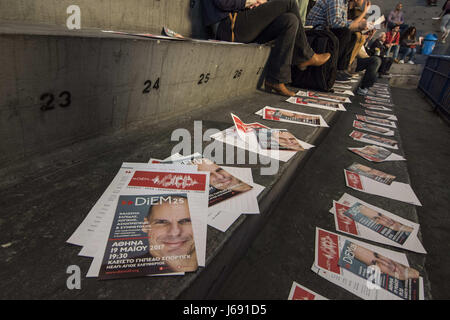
x=183 y=16
x=96 y=85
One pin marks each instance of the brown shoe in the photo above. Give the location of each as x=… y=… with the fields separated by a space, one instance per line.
x=279 y=88
x=317 y=59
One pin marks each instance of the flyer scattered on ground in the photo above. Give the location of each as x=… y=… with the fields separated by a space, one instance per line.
x=139 y=182
x=323 y=96
x=373 y=101
x=358 y=218
x=381 y=122
x=381 y=115
x=371 y=173
x=343 y=91
x=278 y=144
x=338 y=85
x=283 y=115
x=373 y=139
x=376 y=154
x=372 y=128
x=140 y=243
x=232 y=190
x=396 y=190
x=321 y=104
x=375 y=107
x=368 y=271
x=299 y=292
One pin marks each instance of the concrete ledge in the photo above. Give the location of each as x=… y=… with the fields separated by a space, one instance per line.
x=59 y=87
x=128 y=15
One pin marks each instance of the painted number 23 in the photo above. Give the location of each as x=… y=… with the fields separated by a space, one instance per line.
x=65 y=99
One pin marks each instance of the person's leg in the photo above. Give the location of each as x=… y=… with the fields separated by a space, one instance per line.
x=283 y=29
x=413 y=53
x=386 y=64
x=303 y=8
x=388 y=51
x=277 y=20
x=371 y=65
x=251 y=24
x=396 y=49
x=404 y=52
x=346 y=44
x=358 y=44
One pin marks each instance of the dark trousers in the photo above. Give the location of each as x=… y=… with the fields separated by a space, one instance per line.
x=386 y=63
x=371 y=65
x=277 y=20
x=347 y=41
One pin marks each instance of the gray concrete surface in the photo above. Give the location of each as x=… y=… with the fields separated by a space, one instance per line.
x=97 y=82
x=51 y=194
x=124 y=15
x=283 y=252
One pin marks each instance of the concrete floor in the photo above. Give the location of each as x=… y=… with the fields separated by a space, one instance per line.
x=284 y=250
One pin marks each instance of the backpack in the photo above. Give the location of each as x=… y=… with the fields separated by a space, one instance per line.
x=318 y=78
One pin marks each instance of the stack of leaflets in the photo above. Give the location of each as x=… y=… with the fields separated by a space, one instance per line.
x=283 y=115
x=369 y=180
x=278 y=144
x=368 y=271
x=316 y=103
x=151 y=220
x=232 y=191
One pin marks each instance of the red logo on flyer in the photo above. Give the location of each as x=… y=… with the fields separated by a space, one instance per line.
x=328 y=252
x=353 y=180
x=184 y=181
x=302 y=294
x=356 y=135
x=345 y=223
x=357 y=124
x=269 y=114
x=300 y=101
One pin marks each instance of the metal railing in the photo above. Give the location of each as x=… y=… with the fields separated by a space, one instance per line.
x=435 y=83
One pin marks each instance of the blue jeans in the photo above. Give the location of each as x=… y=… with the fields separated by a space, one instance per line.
x=407 y=52
x=395 y=49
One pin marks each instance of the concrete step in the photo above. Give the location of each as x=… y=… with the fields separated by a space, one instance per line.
x=54 y=192
x=61 y=86
x=130 y=15
x=406 y=69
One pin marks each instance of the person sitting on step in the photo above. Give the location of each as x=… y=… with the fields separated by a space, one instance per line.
x=392 y=42
x=260 y=21
x=333 y=14
x=408 y=44
x=379 y=49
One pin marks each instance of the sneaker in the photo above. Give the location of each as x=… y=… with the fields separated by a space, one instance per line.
x=361 y=91
x=396 y=61
x=411 y=62
x=401 y=61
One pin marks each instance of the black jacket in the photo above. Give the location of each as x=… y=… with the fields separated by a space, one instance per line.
x=380 y=45
x=216 y=10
